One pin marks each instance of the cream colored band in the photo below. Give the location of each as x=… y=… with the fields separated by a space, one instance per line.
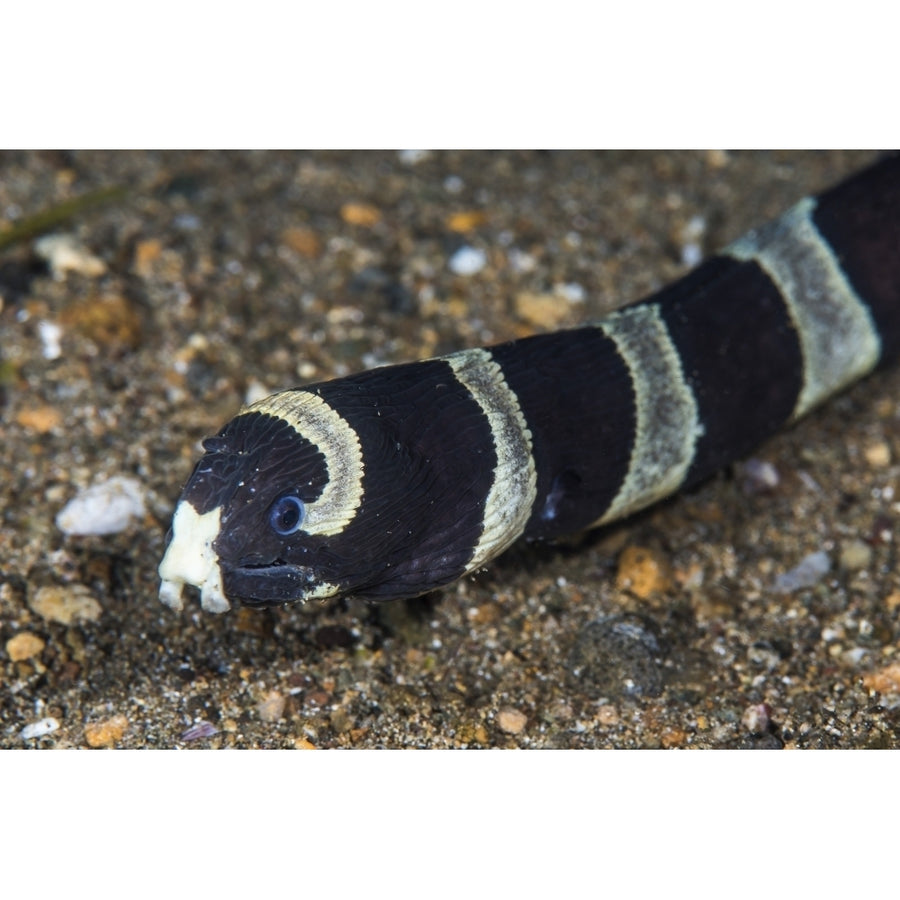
x=668 y=422
x=514 y=488
x=838 y=338
x=312 y=418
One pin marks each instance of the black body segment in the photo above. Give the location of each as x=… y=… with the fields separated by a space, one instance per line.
x=740 y=355
x=576 y=395
x=410 y=476
x=860 y=219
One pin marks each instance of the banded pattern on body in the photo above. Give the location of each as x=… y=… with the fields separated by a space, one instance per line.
x=407 y=477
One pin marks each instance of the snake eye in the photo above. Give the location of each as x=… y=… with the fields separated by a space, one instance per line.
x=286 y=514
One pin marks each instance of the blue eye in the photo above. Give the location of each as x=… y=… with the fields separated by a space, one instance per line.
x=286 y=514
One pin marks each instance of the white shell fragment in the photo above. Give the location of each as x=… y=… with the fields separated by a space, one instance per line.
x=467 y=261
x=105 y=508
x=64 y=254
x=50 y=334
x=39 y=729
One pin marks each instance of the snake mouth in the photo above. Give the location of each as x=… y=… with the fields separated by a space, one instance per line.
x=190 y=559
x=273 y=584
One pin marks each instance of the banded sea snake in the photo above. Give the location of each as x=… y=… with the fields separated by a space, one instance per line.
x=396 y=481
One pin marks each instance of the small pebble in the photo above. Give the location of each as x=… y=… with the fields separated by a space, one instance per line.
x=104 y=508
x=690 y=578
x=50 y=334
x=256 y=390
x=187 y=222
x=462 y=222
x=39 y=729
x=65 y=604
x=412 y=157
x=340 y=720
x=878 y=456
x=643 y=572
x=756 y=718
x=63 y=253
x=317 y=699
x=511 y=720
x=691 y=255
x=883 y=527
x=885 y=681
x=758 y=477
x=39 y=419
x=271 y=707
x=303 y=240
x=854 y=656
x=199 y=731
x=363 y=214
x=467 y=261
x=607 y=715
x=809 y=482
x=519 y=261
x=807 y=573
x=855 y=555
x=24 y=645
x=453 y=184
x=691 y=238
x=672 y=738
x=106 y=733
x=146 y=253
x=570 y=291
x=763 y=654
x=543 y=310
